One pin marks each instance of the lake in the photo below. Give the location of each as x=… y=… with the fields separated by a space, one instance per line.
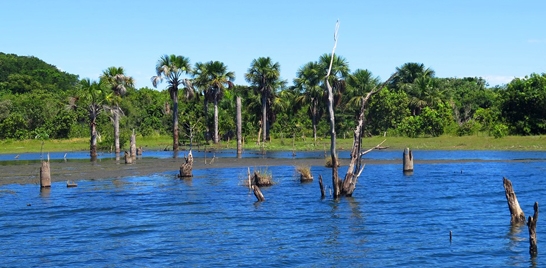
x=393 y=220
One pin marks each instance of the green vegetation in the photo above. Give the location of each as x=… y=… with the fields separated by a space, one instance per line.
x=417 y=109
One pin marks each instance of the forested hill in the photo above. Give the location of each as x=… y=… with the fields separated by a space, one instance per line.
x=22 y=74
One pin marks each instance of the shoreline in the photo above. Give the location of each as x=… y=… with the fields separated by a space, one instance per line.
x=77 y=170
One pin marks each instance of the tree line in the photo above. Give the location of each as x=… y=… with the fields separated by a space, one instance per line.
x=196 y=102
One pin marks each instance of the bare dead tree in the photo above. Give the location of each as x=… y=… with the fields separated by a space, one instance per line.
x=347 y=187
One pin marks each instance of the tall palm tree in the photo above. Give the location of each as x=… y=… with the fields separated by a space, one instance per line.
x=409 y=72
x=118 y=82
x=94 y=97
x=308 y=80
x=264 y=75
x=339 y=73
x=359 y=83
x=213 y=77
x=172 y=68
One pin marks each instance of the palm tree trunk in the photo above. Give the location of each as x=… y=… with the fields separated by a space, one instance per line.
x=264 y=116
x=314 y=118
x=206 y=110
x=93 y=140
x=175 y=120
x=216 y=120
x=116 y=129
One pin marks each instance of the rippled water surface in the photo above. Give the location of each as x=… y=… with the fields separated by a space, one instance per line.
x=213 y=220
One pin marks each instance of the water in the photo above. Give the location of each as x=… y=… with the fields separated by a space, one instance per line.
x=213 y=220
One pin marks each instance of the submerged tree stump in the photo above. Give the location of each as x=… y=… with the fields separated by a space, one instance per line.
x=261 y=179
x=128 y=158
x=532 y=225
x=139 y=151
x=258 y=193
x=408 y=160
x=516 y=214
x=187 y=167
x=321 y=185
x=45 y=175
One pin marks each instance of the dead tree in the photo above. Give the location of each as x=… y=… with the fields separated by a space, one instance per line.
x=187 y=167
x=516 y=214
x=321 y=185
x=532 y=225
x=258 y=193
x=239 y=128
x=133 y=145
x=348 y=185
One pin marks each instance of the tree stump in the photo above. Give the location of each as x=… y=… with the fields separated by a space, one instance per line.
x=408 y=160
x=187 y=167
x=516 y=214
x=261 y=179
x=532 y=225
x=258 y=193
x=45 y=175
x=128 y=158
x=139 y=151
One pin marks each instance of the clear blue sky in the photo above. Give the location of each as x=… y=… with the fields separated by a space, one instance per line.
x=496 y=40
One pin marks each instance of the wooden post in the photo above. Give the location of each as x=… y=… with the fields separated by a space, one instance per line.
x=516 y=214
x=258 y=193
x=532 y=225
x=239 y=128
x=187 y=167
x=408 y=160
x=45 y=175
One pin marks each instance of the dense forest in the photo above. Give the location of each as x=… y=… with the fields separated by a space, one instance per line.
x=37 y=100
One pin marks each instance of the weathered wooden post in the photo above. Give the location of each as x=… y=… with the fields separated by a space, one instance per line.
x=239 y=128
x=133 y=145
x=408 y=160
x=45 y=175
x=532 y=225
x=128 y=158
x=187 y=167
x=516 y=214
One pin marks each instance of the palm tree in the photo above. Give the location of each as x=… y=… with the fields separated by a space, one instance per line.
x=118 y=82
x=340 y=71
x=213 y=77
x=172 y=68
x=409 y=72
x=94 y=97
x=264 y=75
x=308 y=80
x=359 y=83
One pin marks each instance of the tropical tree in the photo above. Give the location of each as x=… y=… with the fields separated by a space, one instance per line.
x=339 y=72
x=409 y=72
x=94 y=96
x=213 y=77
x=308 y=81
x=264 y=75
x=118 y=82
x=172 y=69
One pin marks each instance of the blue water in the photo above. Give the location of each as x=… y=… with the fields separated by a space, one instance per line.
x=213 y=220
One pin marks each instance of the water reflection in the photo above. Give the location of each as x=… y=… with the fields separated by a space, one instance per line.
x=45 y=192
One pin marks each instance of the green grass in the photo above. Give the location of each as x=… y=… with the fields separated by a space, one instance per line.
x=518 y=143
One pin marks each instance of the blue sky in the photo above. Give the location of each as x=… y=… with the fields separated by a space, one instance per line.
x=496 y=40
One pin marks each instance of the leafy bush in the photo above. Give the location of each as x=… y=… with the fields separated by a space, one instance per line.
x=499 y=130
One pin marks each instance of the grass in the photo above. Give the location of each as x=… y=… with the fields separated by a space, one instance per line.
x=515 y=143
